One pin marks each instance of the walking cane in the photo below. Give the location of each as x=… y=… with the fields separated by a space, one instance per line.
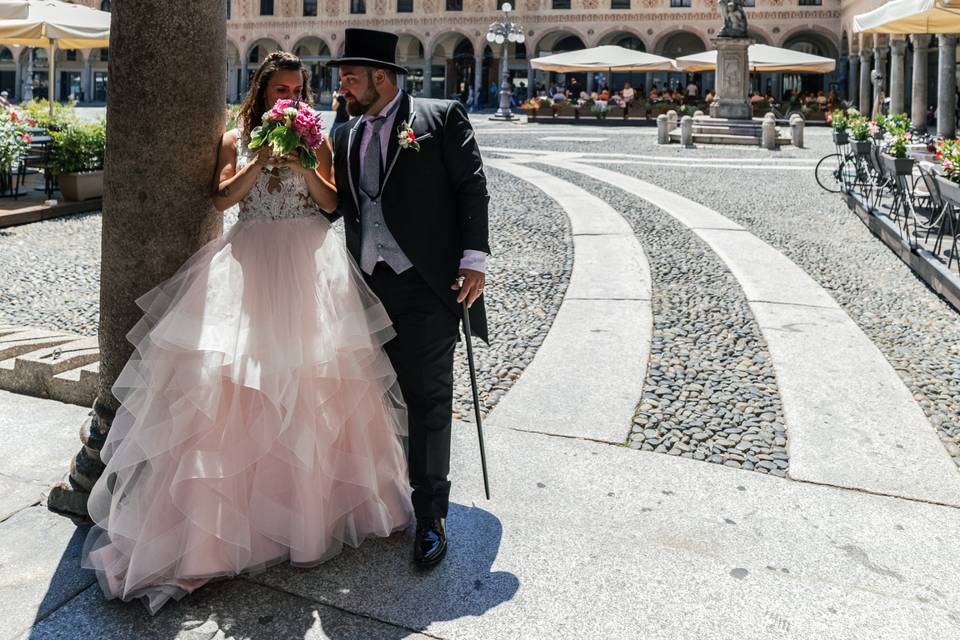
x=476 y=395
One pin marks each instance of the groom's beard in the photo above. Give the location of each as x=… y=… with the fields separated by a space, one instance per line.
x=360 y=106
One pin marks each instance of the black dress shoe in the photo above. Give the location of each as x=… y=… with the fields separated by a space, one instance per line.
x=430 y=543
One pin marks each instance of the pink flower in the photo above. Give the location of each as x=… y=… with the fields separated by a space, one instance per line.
x=27 y=138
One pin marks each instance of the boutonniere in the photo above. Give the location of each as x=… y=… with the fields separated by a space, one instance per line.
x=407 y=138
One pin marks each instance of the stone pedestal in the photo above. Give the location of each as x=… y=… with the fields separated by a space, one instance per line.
x=733 y=78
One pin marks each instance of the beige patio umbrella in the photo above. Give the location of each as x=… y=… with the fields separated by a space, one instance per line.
x=911 y=16
x=763 y=59
x=605 y=58
x=52 y=25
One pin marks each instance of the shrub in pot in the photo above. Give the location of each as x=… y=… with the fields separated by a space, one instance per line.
x=78 y=160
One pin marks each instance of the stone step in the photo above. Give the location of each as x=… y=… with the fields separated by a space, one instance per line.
x=27 y=339
x=726 y=138
x=49 y=364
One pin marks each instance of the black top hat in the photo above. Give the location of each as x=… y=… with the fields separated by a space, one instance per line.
x=369 y=48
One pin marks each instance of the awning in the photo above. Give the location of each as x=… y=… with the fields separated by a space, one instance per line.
x=605 y=58
x=42 y=23
x=763 y=58
x=911 y=16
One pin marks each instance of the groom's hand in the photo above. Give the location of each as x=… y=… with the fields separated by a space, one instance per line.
x=473 y=282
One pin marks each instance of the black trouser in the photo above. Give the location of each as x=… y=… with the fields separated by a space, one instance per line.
x=422 y=355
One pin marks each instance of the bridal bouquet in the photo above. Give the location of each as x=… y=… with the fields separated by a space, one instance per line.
x=290 y=126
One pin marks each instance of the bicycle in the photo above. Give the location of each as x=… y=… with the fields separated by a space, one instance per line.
x=839 y=172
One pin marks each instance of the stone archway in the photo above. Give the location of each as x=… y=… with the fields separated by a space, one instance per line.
x=675 y=45
x=411 y=54
x=818 y=44
x=314 y=53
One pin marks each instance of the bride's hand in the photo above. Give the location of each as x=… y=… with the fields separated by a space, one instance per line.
x=290 y=161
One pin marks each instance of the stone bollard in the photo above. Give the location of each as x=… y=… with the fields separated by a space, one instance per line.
x=698 y=114
x=672 y=119
x=796 y=130
x=663 y=129
x=686 y=131
x=768 y=130
x=713 y=109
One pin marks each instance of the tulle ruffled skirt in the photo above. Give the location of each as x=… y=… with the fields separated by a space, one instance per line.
x=260 y=418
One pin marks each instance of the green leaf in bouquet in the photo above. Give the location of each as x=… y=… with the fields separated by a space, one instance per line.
x=257 y=137
x=308 y=159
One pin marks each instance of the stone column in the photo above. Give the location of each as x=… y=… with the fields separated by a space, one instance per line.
x=18 y=82
x=880 y=65
x=947 y=86
x=427 y=76
x=86 y=79
x=918 y=93
x=733 y=78
x=477 y=79
x=865 y=93
x=853 y=78
x=897 y=50
x=156 y=214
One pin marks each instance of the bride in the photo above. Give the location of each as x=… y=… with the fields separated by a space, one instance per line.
x=260 y=418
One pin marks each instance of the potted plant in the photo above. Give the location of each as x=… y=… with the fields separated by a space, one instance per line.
x=78 y=160
x=894 y=155
x=860 y=130
x=64 y=114
x=546 y=107
x=948 y=151
x=839 y=123
x=14 y=140
x=600 y=110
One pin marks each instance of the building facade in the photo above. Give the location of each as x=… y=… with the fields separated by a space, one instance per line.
x=443 y=44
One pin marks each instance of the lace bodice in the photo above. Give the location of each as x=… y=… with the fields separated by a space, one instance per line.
x=274 y=197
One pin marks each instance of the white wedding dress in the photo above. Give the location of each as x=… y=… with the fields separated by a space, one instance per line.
x=259 y=415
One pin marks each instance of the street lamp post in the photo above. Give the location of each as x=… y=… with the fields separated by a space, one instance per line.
x=501 y=33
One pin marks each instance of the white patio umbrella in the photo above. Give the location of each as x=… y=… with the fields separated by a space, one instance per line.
x=911 y=16
x=763 y=58
x=53 y=25
x=606 y=58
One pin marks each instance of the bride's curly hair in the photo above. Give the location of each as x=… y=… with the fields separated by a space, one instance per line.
x=254 y=104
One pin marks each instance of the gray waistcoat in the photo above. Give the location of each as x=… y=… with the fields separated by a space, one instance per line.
x=376 y=239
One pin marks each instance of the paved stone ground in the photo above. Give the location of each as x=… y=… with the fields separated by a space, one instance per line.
x=710 y=391
x=51 y=273
x=753 y=556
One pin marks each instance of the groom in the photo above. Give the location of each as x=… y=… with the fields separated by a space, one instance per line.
x=415 y=215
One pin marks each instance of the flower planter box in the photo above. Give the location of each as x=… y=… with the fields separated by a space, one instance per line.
x=81 y=186
x=532 y=114
x=567 y=111
x=616 y=112
x=840 y=137
x=897 y=166
x=545 y=112
x=862 y=147
x=949 y=190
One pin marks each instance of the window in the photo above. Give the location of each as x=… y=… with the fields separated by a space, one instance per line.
x=71 y=55
x=500 y=4
x=749 y=3
x=561 y=4
x=254 y=57
x=266 y=7
x=104 y=55
x=520 y=51
x=454 y=5
x=105 y=5
x=358 y=6
x=619 y=4
x=229 y=9
x=679 y=3
x=310 y=8
x=404 y=6
x=810 y=3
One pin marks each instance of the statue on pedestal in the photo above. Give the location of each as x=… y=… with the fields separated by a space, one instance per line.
x=734 y=19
